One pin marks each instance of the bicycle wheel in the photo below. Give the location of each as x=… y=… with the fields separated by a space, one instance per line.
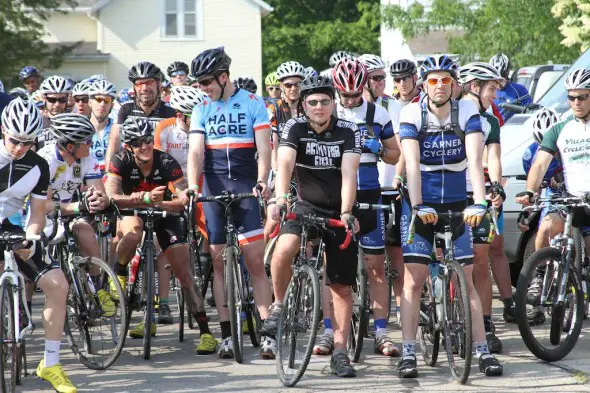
x=148 y=290
x=252 y=316
x=579 y=251
x=457 y=328
x=233 y=296
x=548 y=340
x=10 y=352
x=429 y=335
x=180 y=302
x=95 y=324
x=298 y=325
x=360 y=314
x=268 y=251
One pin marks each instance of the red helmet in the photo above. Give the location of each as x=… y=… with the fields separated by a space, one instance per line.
x=349 y=76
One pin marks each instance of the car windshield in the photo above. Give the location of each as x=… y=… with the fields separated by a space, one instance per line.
x=556 y=95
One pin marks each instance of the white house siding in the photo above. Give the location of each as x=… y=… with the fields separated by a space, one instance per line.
x=71 y=27
x=78 y=70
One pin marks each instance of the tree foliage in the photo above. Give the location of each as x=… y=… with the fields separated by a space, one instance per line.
x=309 y=31
x=21 y=32
x=525 y=30
x=575 y=22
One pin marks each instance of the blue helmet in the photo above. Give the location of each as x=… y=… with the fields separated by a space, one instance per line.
x=27 y=72
x=438 y=63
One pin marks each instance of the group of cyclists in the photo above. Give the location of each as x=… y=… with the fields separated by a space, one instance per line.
x=434 y=146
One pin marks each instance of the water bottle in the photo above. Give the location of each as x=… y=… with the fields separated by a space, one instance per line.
x=133 y=267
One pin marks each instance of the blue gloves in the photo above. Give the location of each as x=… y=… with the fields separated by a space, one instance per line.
x=373 y=145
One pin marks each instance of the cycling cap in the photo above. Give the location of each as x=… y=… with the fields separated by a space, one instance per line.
x=80 y=89
x=246 y=83
x=210 y=62
x=402 y=67
x=542 y=122
x=502 y=63
x=271 y=79
x=372 y=62
x=337 y=56
x=22 y=120
x=27 y=72
x=135 y=128
x=144 y=70
x=578 y=79
x=177 y=66
x=184 y=98
x=349 y=76
x=438 y=63
x=55 y=85
x=290 y=69
x=317 y=84
x=71 y=128
x=478 y=71
x=102 y=87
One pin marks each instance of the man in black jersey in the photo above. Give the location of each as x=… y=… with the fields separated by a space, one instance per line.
x=140 y=177
x=325 y=154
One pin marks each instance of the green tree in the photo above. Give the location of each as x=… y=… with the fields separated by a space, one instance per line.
x=21 y=32
x=575 y=22
x=524 y=30
x=309 y=31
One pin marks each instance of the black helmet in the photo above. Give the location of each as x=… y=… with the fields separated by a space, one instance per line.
x=135 y=128
x=144 y=70
x=402 y=67
x=317 y=84
x=210 y=62
x=177 y=66
x=247 y=84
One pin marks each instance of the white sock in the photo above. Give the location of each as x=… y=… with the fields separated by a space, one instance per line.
x=329 y=331
x=51 y=352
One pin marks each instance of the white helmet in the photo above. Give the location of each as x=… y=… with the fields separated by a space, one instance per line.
x=80 y=89
x=337 y=56
x=372 y=62
x=542 y=122
x=184 y=98
x=501 y=62
x=22 y=119
x=55 y=85
x=102 y=87
x=578 y=79
x=290 y=69
x=478 y=71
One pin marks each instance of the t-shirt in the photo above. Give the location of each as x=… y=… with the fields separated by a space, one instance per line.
x=382 y=129
x=571 y=140
x=443 y=161
x=165 y=171
x=512 y=93
x=229 y=128
x=65 y=180
x=171 y=139
x=319 y=158
x=131 y=109
x=100 y=144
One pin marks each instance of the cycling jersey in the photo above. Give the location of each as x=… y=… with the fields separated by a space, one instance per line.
x=387 y=171
x=20 y=178
x=491 y=135
x=443 y=161
x=131 y=109
x=382 y=129
x=4 y=100
x=44 y=137
x=319 y=158
x=100 y=143
x=278 y=113
x=171 y=139
x=67 y=179
x=512 y=93
x=529 y=157
x=495 y=111
x=570 y=139
x=383 y=101
x=403 y=103
x=229 y=127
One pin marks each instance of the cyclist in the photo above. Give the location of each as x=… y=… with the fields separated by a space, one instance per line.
x=80 y=96
x=138 y=177
x=377 y=141
x=324 y=152
x=273 y=87
x=102 y=95
x=30 y=78
x=376 y=80
x=436 y=163
x=55 y=91
x=246 y=83
x=165 y=90
x=226 y=132
x=480 y=82
x=405 y=78
x=21 y=125
x=178 y=73
x=510 y=92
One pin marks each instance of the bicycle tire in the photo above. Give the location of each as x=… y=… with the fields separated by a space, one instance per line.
x=148 y=283
x=180 y=301
x=253 y=319
x=579 y=263
x=9 y=349
x=360 y=314
x=298 y=294
x=429 y=335
x=457 y=325
x=564 y=347
x=233 y=295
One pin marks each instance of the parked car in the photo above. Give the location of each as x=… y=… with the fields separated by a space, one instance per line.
x=538 y=79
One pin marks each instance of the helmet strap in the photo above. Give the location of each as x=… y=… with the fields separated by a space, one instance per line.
x=216 y=76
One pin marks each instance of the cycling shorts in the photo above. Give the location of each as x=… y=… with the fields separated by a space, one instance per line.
x=392 y=235
x=341 y=265
x=420 y=250
x=371 y=222
x=170 y=231
x=36 y=266
x=246 y=213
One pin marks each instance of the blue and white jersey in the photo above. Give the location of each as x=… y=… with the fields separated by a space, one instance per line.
x=368 y=174
x=512 y=93
x=100 y=143
x=529 y=157
x=443 y=161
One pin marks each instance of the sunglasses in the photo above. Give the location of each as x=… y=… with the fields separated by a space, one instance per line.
x=377 y=78
x=106 y=100
x=84 y=100
x=177 y=73
x=291 y=85
x=206 y=82
x=140 y=142
x=402 y=79
x=355 y=95
x=272 y=88
x=445 y=80
x=582 y=97
x=324 y=102
x=53 y=100
x=16 y=142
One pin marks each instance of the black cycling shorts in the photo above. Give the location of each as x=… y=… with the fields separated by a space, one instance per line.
x=170 y=231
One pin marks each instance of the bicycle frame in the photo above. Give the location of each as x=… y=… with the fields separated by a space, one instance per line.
x=15 y=277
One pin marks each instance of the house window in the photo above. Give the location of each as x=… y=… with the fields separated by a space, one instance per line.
x=182 y=19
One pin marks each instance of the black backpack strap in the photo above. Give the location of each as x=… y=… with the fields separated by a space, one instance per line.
x=455 y=120
x=424 y=122
x=370 y=119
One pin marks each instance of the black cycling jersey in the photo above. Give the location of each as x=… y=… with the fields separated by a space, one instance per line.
x=19 y=179
x=165 y=171
x=319 y=158
x=131 y=109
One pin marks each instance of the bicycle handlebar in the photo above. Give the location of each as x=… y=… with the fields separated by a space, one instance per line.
x=139 y=212
x=315 y=220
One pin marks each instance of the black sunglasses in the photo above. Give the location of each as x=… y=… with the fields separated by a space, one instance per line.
x=402 y=78
x=377 y=78
x=141 y=141
x=16 y=142
x=81 y=99
x=53 y=100
x=581 y=97
x=291 y=85
x=206 y=82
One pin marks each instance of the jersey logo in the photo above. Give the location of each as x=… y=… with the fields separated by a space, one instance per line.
x=177 y=172
x=237 y=105
x=96 y=167
x=61 y=169
x=77 y=171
